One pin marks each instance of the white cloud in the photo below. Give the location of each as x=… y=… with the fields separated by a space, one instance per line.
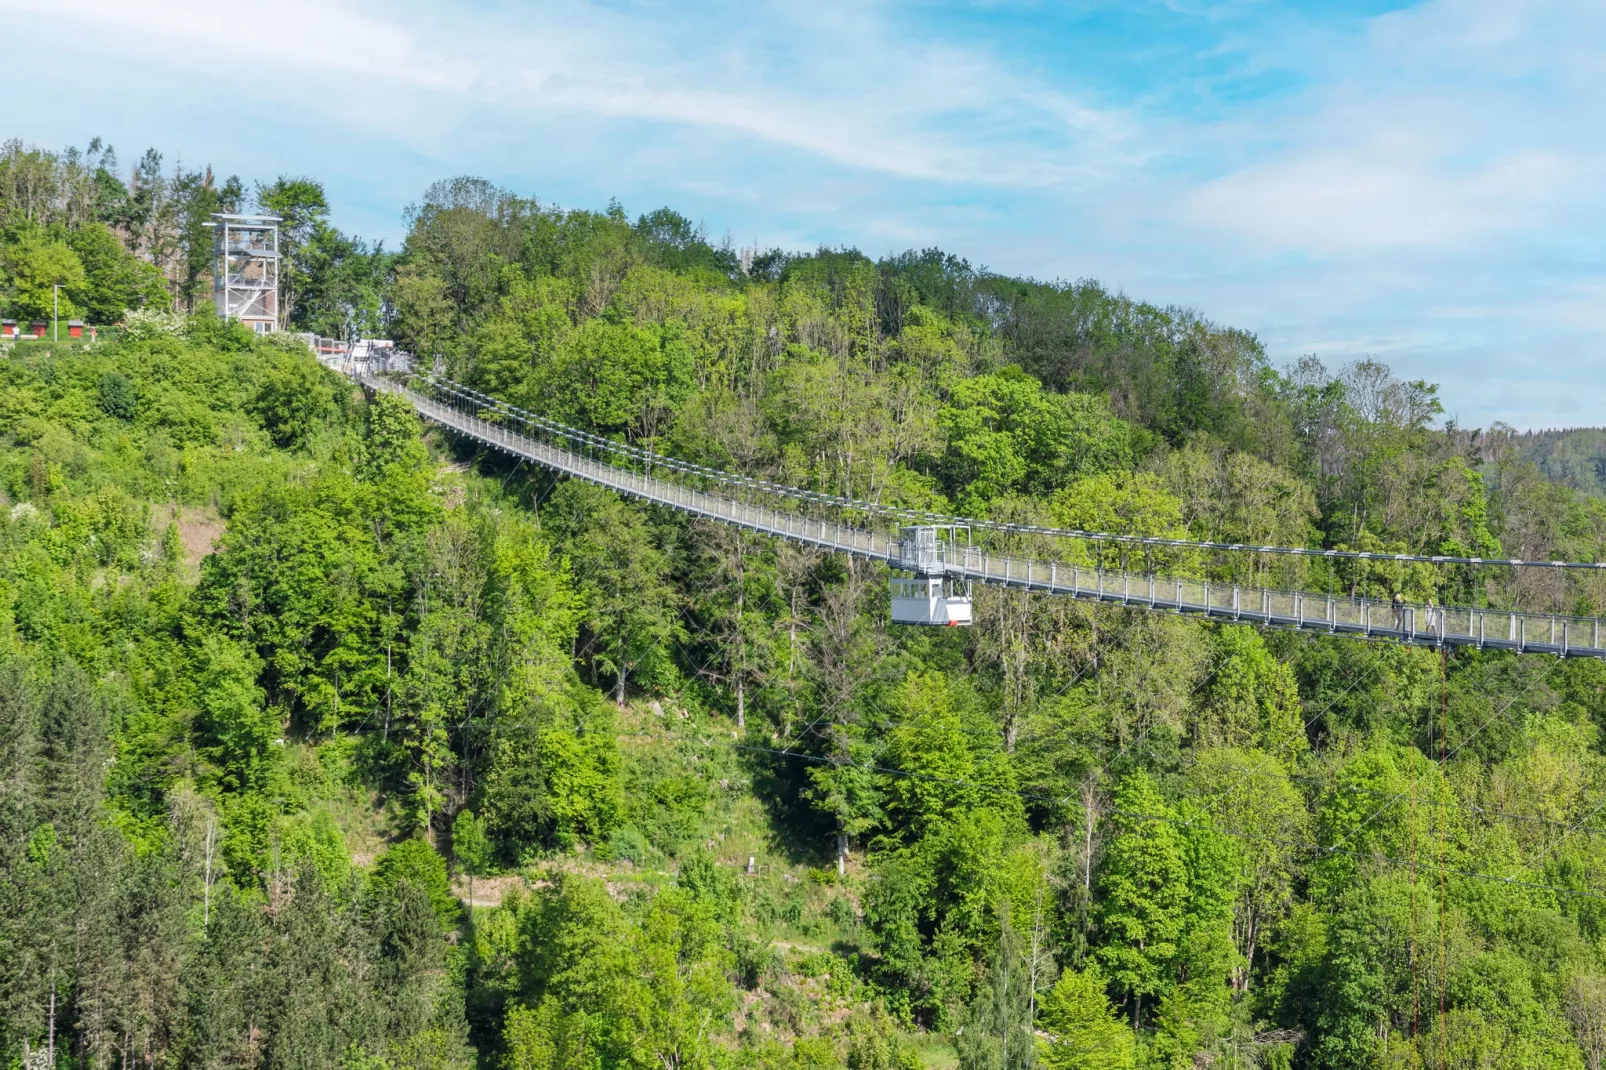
x=1496 y=38
x=1381 y=196
x=1440 y=131
x=340 y=43
x=832 y=81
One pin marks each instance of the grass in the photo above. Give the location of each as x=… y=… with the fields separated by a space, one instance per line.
x=935 y=1050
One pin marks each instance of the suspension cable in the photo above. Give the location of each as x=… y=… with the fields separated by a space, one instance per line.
x=653 y=458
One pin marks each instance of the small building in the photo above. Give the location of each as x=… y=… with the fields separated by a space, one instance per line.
x=39 y=328
x=8 y=328
x=75 y=328
x=373 y=349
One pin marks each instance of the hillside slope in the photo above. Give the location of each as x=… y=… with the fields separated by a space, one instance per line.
x=291 y=684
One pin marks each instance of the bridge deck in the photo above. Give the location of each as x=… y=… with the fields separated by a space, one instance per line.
x=1417 y=625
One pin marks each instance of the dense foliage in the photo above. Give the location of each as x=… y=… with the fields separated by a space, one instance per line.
x=79 y=241
x=1575 y=458
x=326 y=742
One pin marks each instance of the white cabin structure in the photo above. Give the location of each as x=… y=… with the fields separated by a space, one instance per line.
x=930 y=598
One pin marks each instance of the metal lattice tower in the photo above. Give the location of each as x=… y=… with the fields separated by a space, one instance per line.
x=245 y=269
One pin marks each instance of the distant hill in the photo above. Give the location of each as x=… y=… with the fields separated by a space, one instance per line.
x=1575 y=457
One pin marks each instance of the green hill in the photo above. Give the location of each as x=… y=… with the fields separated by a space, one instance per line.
x=327 y=741
x=1574 y=458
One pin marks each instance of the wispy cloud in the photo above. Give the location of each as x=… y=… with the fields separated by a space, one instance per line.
x=1382 y=195
x=835 y=82
x=1433 y=133
x=299 y=37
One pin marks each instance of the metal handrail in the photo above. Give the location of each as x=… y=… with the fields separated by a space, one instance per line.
x=923 y=516
x=1413 y=623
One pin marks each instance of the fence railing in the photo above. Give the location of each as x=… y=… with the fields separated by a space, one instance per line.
x=1413 y=623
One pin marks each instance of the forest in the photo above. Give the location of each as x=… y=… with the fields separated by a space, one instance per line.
x=327 y=740
x=1574 y=456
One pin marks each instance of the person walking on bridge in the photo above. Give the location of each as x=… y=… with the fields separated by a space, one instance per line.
x=1399 y=612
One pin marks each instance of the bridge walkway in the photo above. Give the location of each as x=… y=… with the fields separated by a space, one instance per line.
x=1453 y=626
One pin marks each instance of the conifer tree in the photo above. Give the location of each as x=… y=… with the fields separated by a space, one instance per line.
x=1142 y=894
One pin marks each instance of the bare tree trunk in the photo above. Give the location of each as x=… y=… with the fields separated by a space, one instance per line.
x=740 y=668
x=1090 y=800
x=791 y=660
x=206 y=879
x=387 y=693
x=841 y=853
x=1036 y=963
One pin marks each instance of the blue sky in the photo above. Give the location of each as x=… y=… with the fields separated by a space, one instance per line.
x=1420 y=183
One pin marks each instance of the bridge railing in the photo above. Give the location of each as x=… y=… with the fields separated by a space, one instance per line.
x=626 y=457
x=1420 y=623
x=685 y=488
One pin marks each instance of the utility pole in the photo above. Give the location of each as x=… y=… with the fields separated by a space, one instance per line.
x=55 y=312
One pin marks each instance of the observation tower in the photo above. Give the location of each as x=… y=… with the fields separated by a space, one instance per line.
x=245 y=269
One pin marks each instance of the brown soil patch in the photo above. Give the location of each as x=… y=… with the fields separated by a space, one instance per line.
x=198 y=533
x=622 y=879
x=488 y=891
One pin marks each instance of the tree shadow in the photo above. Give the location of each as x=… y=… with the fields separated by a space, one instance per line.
x=798 y=832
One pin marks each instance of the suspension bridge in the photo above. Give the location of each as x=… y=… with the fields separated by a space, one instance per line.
x=946 y=565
